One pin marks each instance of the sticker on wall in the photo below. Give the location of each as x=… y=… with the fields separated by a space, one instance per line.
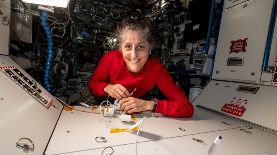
x=238 y=46
x=236 y=107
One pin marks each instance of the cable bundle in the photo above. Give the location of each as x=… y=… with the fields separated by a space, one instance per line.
x=49 y=59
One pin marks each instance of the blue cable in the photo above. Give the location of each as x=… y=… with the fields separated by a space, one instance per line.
x=269 y=36
x=209 y=28
x=215 y=41
x=50 y=53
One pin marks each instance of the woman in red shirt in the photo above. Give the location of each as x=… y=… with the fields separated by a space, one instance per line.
x=133 y=69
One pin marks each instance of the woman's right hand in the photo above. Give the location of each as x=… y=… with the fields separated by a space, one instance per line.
x=116 y=91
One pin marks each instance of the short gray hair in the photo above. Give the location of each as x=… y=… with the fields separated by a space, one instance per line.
x=143 y=25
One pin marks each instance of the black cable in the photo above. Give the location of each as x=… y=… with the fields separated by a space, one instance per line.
x=108 y=153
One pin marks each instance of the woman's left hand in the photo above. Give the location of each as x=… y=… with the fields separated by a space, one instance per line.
x=131 y=105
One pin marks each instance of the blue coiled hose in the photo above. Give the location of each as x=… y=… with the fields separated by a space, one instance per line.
x=50 y=53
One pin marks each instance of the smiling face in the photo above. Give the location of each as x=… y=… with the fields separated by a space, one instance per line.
x=135 y=50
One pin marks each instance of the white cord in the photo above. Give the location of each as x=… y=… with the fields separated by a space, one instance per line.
x=59 y=25
x=140 y=126
x=108 y=103
x=55 y=21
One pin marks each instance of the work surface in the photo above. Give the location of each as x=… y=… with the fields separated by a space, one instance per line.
x=76 y=132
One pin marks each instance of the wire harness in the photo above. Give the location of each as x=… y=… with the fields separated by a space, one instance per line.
x=49 y=60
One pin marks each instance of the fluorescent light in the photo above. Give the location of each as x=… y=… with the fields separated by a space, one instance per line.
x=56 y=3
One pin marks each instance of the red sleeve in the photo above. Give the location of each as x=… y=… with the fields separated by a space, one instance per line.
x=100 y=77
x=177 y=103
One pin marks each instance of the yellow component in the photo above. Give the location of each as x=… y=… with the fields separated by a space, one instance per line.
x=117 y=130
x=68 y=108
x=94 y=108
x=133 y=118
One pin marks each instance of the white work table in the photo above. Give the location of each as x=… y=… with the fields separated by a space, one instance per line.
x=76 y=131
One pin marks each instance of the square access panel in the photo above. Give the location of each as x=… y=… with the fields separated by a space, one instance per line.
x=242 y=40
